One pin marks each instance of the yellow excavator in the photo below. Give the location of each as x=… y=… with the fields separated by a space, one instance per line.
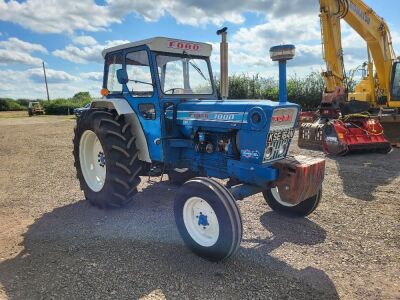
x=368 y=118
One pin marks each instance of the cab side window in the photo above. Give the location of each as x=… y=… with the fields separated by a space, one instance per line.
x=396 y=82
x=140 y=82
x=113 y=63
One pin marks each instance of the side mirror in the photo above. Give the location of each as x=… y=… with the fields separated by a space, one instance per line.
x=122 y=76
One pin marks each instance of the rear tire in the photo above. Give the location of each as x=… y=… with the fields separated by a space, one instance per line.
x=302 y=209
x=208 y=219
x=106 y=158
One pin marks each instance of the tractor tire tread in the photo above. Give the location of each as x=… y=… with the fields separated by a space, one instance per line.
x=122 y=163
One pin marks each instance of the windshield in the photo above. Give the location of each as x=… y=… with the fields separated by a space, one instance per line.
x=184 y=75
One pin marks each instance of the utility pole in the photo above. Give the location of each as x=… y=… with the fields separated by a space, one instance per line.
x=45 y=80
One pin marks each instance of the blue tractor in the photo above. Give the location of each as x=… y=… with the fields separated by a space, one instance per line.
x=160 y=113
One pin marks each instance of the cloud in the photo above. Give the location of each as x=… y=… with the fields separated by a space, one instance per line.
x=249 y=46
x=50 y=16
x=278 y=31
x=84 y=40
x=15 y=44
x=86 y=54
x=307 y=55
x=396 y=42
x=53 y=76
x=95 y=76
x=17 y=58
x=61 y=84
x=15 y=51
x=202 y=12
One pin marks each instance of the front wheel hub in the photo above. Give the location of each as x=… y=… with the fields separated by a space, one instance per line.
x=201 y=221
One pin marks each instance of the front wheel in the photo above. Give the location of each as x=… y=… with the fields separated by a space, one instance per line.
x=304 y=208
x=208 y=219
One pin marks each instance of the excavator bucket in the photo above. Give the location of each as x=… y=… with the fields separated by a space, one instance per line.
x=391 y=128
x=341 y=136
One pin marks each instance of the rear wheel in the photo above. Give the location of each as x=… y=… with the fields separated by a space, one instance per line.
x=106 y=158
x=304 y=208
x=208 y=219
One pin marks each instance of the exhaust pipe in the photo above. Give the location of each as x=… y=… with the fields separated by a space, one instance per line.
x=224 y=81
x=282 y=54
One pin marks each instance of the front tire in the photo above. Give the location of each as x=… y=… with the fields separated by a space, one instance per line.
x=208 y=219
x=106 y=158
x=302 y=209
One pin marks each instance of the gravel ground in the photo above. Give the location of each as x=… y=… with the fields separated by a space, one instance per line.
x=53 y=244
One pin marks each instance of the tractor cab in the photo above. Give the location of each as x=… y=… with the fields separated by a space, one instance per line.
x=166 y=67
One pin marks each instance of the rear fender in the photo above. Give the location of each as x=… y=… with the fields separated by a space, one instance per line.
x=123 y=108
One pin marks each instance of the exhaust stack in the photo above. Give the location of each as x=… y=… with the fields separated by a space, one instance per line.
x=224 y=85
x=282 y=54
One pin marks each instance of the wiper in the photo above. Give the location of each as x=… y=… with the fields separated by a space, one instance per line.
x=193 y=64
x=138 y=81
x=198 y=70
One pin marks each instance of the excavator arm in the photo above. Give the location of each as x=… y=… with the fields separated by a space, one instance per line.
x=332 y=51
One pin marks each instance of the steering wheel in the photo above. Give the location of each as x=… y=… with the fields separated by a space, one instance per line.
x=173 y=90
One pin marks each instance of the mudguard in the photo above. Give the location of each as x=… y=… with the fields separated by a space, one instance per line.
x=123 y=108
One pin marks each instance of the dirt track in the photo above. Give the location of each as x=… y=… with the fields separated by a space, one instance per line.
x=54 y=245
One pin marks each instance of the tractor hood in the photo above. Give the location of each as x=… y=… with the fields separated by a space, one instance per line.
x=233 y=114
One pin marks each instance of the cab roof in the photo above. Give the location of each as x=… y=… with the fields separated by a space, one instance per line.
x=164 y=44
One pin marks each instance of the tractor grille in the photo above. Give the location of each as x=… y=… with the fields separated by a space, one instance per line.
x=278 y=143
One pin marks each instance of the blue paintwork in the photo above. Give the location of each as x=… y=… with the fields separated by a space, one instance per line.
x=282 y=53
x=242 y=191
x=202 y=220
x=179 y=121
x=151 y=128
x=282 y=82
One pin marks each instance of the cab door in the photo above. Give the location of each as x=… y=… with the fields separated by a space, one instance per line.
x=142 y=95
x=395 y=84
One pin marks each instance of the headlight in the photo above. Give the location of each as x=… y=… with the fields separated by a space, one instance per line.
x=282 y=149
x=256 y=118
x=268 y=152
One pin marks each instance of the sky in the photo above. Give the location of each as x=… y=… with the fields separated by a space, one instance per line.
x=68 y=36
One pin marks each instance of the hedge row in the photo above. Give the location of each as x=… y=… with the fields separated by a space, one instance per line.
x=306 y=91
x=53 y=107
x=11 y=104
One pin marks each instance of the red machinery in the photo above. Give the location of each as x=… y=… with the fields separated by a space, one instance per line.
x=341 y=126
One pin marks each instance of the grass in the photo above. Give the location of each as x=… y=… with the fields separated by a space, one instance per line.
x=24 y=114
x=13 y=114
